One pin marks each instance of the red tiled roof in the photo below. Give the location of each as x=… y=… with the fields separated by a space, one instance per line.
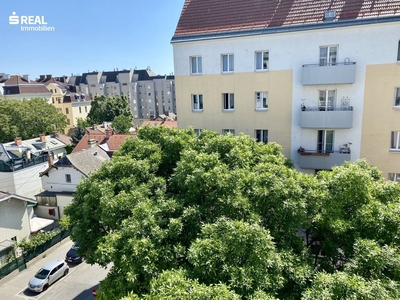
x=83 y=143
x=167 y=123
x=115 y=141
x=211 y=16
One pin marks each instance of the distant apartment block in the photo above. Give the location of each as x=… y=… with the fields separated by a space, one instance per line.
x=149 y=95
x=16 y=87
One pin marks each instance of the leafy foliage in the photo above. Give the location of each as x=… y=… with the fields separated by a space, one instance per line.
x=226 y=217
x=79 y=131
x=107 y=108
x=122 y=124
x=36 y=240
x=29 y=118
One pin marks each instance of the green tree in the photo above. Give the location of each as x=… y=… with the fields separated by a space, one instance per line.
x=29 y=118
x=79 y=131
x=107 y=108
x=122 y=124
x=226 y=215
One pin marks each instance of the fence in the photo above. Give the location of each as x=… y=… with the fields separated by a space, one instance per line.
x=20 y=262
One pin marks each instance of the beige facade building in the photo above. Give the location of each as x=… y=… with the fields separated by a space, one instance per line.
x=320 y=79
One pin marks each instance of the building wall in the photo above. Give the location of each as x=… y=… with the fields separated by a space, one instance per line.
x=56 y=181
x=25 y=182
x=14 y=221
x=380 y=117
x=245 y=118
x=62 y=202
x=288 y=52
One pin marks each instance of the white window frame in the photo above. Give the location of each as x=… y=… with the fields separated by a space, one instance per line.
x=395 y=141
x=228 y=102
x=396 y=102
x=261 y=135
x=226 y=131
x=395 y=177
x=261 y=60
x=261 y=100
x=330 y=58
x=325 y=141
x=326 y=100
x=227 y=63
x=197 y=131
x=196 y=65
x=197 y=102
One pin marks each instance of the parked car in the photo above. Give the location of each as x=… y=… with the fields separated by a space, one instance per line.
x=48 y=274
x=72 y=255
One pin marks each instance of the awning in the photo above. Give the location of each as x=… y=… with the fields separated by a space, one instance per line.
x=39 y=223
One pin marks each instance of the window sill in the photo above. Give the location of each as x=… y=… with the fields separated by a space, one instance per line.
x=196 y=74
x=261 y=109
x=396 y=107
x=394 y=150
x=228 y=72
x=197 y=110
x=261 y=70
x=228 y=110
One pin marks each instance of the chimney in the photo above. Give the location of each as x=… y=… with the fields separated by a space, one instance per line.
x=48 y=76
x=50 y=159
x=109 y=133
x=26 y=77
x=42 y=138
x=18 y=141
x=91 y=143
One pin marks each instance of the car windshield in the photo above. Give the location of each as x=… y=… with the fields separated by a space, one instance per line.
x=75 y=246
x=42 y=274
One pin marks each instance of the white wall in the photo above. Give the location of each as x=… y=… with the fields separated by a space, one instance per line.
x=14 y=220
x=56 y=181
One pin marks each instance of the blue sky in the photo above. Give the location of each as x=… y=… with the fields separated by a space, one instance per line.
x=97 y=35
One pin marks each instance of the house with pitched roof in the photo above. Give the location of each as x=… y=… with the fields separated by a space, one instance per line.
x=21 y=161
x=16 y=87
x=60 y=179
x=320 y=78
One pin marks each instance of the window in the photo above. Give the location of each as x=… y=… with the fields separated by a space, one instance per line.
x=328 y=56
x=85 y=108
x=80 y=109
x=398 y=52
x=68 y=122
x=67 y=177
x=261 y=135
x=325 y=141
x=228 y=101
x=394 y=140
x=197 y=101
x=261 y=100
x=49 y=201
x=92 y=85
x=227 y=63
x=262 y=60
x=59 y=109
x=394 y=177
x=397 y=97
x=227 y=131
x=197 y=131
x=67 y=110
x=327 y=99
x=196 y=65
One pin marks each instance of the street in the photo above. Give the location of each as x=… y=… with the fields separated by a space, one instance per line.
x=77 y=285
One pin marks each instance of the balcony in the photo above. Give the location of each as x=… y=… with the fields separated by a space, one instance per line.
x=312 y=159
x=340 y=73
x=321 y=118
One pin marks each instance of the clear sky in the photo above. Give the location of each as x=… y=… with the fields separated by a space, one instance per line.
x=100 y=35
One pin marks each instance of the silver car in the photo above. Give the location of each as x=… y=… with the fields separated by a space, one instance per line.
x=47 y=275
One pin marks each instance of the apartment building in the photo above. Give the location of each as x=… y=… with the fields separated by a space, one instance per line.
x=149 y=94
x=67 y=99
x=322 y=79
x=16 y=87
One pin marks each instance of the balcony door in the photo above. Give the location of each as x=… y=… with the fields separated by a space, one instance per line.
x=327 y=99
x=328 y=56
x=325 y=141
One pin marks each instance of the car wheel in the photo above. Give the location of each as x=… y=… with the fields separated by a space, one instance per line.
x=45 y=287
x=66 y=272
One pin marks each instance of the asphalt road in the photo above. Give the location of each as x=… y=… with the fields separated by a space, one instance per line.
x=77 y=285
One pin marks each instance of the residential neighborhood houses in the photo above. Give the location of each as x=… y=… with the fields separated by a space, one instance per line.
x=305 y=78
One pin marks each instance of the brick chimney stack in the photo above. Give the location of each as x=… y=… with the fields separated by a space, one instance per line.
x=50 y=159
x=91 y=143
x=18 y=141
x=42 y=138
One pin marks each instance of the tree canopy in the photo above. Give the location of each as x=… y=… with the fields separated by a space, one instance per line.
x=225 y=217
x=107 y=108
x=122 y=124
x=29 y=118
